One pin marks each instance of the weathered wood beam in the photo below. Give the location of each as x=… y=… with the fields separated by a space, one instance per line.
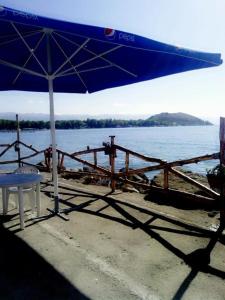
x=61 y=162
x=9 y=146
x=18 y=139
x=29 y=147
x=166 y=178
x=32 y=155
x=95 y=158
x=88 y=151
x=85 y=173
x=194 y=160
x=5 y=162
x=162 y=190
x=141 y=170
x=112 y=163
x=127 y=163
x=85 y=162
x=194 y=182
x=144 y=157
x=172 y=164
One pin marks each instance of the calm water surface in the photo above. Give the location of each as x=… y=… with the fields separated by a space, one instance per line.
x=168 y=143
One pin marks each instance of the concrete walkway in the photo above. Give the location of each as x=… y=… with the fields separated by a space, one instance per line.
x=113 y=247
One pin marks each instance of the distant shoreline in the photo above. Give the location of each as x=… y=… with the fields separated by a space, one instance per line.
x=160 y=120
x=130 y=127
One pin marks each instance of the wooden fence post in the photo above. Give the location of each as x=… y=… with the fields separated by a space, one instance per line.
x=95 y=158
x=112 y=163
x=222 y=164
x=166 y=178
x=58 y=164
x=17 y=145
x=127 y=163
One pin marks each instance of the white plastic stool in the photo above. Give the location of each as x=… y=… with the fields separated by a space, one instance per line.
x=30 y=190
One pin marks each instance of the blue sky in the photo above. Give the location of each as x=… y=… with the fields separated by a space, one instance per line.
x=195 y=24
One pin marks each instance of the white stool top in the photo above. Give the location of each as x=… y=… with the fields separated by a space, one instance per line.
x=8 y=180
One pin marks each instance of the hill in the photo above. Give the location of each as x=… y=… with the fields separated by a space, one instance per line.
x=176 y=119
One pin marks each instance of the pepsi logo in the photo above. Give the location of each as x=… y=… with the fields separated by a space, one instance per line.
x=110 y=33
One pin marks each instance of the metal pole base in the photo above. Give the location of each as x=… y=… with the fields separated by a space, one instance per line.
x=56 y=211
x=58 y=214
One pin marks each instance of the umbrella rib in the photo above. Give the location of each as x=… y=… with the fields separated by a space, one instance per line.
x=75 y=73
x=71 y=56
x=96 y=56
x=87 y=70
x=11 y=65
x=95 y=69
x=30 y=50
x=108 y=61
x=15 y=34
x=18 y=75
x=119 y=67
x=18 y=38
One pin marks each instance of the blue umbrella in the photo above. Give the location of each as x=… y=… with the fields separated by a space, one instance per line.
x=41 y=54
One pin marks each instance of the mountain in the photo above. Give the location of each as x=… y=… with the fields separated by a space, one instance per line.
x=177 y=119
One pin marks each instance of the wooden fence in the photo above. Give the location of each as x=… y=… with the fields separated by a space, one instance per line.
x=110 y=149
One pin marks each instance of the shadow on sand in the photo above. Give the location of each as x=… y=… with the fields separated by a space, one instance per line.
x=38 y=276
x=24 y=274
x=198 y=261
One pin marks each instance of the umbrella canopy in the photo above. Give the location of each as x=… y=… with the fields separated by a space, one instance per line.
x=41 y=54
x=83 y=58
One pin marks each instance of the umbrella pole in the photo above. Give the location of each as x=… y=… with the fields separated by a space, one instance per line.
x=53 y=140
x=52 y=126
x=52 y=123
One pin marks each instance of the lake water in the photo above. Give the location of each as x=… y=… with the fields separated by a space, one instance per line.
x=167 y=143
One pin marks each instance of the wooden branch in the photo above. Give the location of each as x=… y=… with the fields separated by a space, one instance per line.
x=18 y=140
x=138 y=184
x=100 y=169
x=4 y=145
x=32 y=155
x=22 y=158
x=10 y=146
x=141 y=170
x=61 y=162
x=95 y=158
x=83 y=173
x=165 y=191
x=194 y=160
x=30 y=164
x=144 y=157
x=29 y=147
x=194 y=182
x=112 y=163
x=166 y=178
x=88 y=151
x=5 y=162
x=177 y=193
x=127 y=163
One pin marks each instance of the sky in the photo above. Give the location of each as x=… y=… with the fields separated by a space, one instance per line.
x=194 y=24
